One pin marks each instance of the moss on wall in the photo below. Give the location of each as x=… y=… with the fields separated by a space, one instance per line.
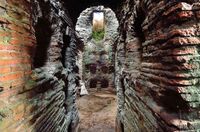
x=98 y=35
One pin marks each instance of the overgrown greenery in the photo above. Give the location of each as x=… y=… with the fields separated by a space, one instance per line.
x=98 y=35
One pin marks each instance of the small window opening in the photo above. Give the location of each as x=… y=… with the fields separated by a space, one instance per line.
x=98 y=26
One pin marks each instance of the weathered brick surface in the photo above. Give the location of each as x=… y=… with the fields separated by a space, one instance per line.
x=159 y=86
x=157 y=67
x=15 y=57
x=17 y=41
x=42 y=98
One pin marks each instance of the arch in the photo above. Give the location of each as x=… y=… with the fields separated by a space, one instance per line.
x=98 y=55
x=84 y=24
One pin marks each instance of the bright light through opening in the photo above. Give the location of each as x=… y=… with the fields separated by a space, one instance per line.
x=98 y=16
x=98 y=21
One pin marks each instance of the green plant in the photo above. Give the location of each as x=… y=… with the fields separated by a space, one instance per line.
x=98 y=35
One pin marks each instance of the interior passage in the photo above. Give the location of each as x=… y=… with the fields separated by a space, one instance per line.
x=99 y=65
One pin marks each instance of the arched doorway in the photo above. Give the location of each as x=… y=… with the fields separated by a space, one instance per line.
x=97 y=28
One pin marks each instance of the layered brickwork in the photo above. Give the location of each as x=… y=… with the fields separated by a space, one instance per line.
x=36 y=97
x=17 y=44
x=160 y=91
x=157 y=65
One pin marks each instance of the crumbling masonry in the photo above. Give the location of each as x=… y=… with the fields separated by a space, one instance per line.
x=156 y=65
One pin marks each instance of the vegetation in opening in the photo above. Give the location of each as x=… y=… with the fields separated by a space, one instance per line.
x=98 y=35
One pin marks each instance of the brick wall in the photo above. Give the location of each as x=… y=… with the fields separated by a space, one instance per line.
x=38 y=98
x=17 y=42
x=159 y=86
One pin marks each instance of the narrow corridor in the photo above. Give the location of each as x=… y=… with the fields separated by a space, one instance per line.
x=148 y=51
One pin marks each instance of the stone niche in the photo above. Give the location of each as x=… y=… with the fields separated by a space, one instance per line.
x=97 y=28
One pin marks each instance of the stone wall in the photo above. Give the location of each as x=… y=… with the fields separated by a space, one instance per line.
x=98 y=55
x=37 y=95
x=157 y=64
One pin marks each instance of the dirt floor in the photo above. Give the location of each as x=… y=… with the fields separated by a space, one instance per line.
x=97 y=112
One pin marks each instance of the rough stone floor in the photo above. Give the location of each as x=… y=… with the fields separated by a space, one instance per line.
x=97 y=112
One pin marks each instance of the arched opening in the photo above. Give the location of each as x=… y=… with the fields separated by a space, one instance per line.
x=93 y=83
x=97 y=28
x=104 y=83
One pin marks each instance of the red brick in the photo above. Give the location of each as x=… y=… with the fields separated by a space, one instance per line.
x=19 y=112
x=5 y=85
x=19 y=55
x=185 y=14
x=9 y=47
x=18 y=82
x=28 y=72
x=5 y=70
x=9 y=93
x=9 y=62
x=17 y=35
x=4 y=54
x=13 y=54
x=17 y=28
x=16 y=68
x=4 y=34
x=17 y=41
x=22 y=4
x=11 y=76
x=14 y=61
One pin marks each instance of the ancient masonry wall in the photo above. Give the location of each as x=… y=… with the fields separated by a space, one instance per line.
x=34 y=95
x=157 y=64
x=97 y=55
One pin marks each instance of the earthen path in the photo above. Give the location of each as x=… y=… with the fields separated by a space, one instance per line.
x=97 y=112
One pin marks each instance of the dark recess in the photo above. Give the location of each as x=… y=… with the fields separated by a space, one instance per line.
x=93 y=68
x=104 y=83
x=137 y=25
x=173 y=101
x=93 y=83
x=43 y=34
